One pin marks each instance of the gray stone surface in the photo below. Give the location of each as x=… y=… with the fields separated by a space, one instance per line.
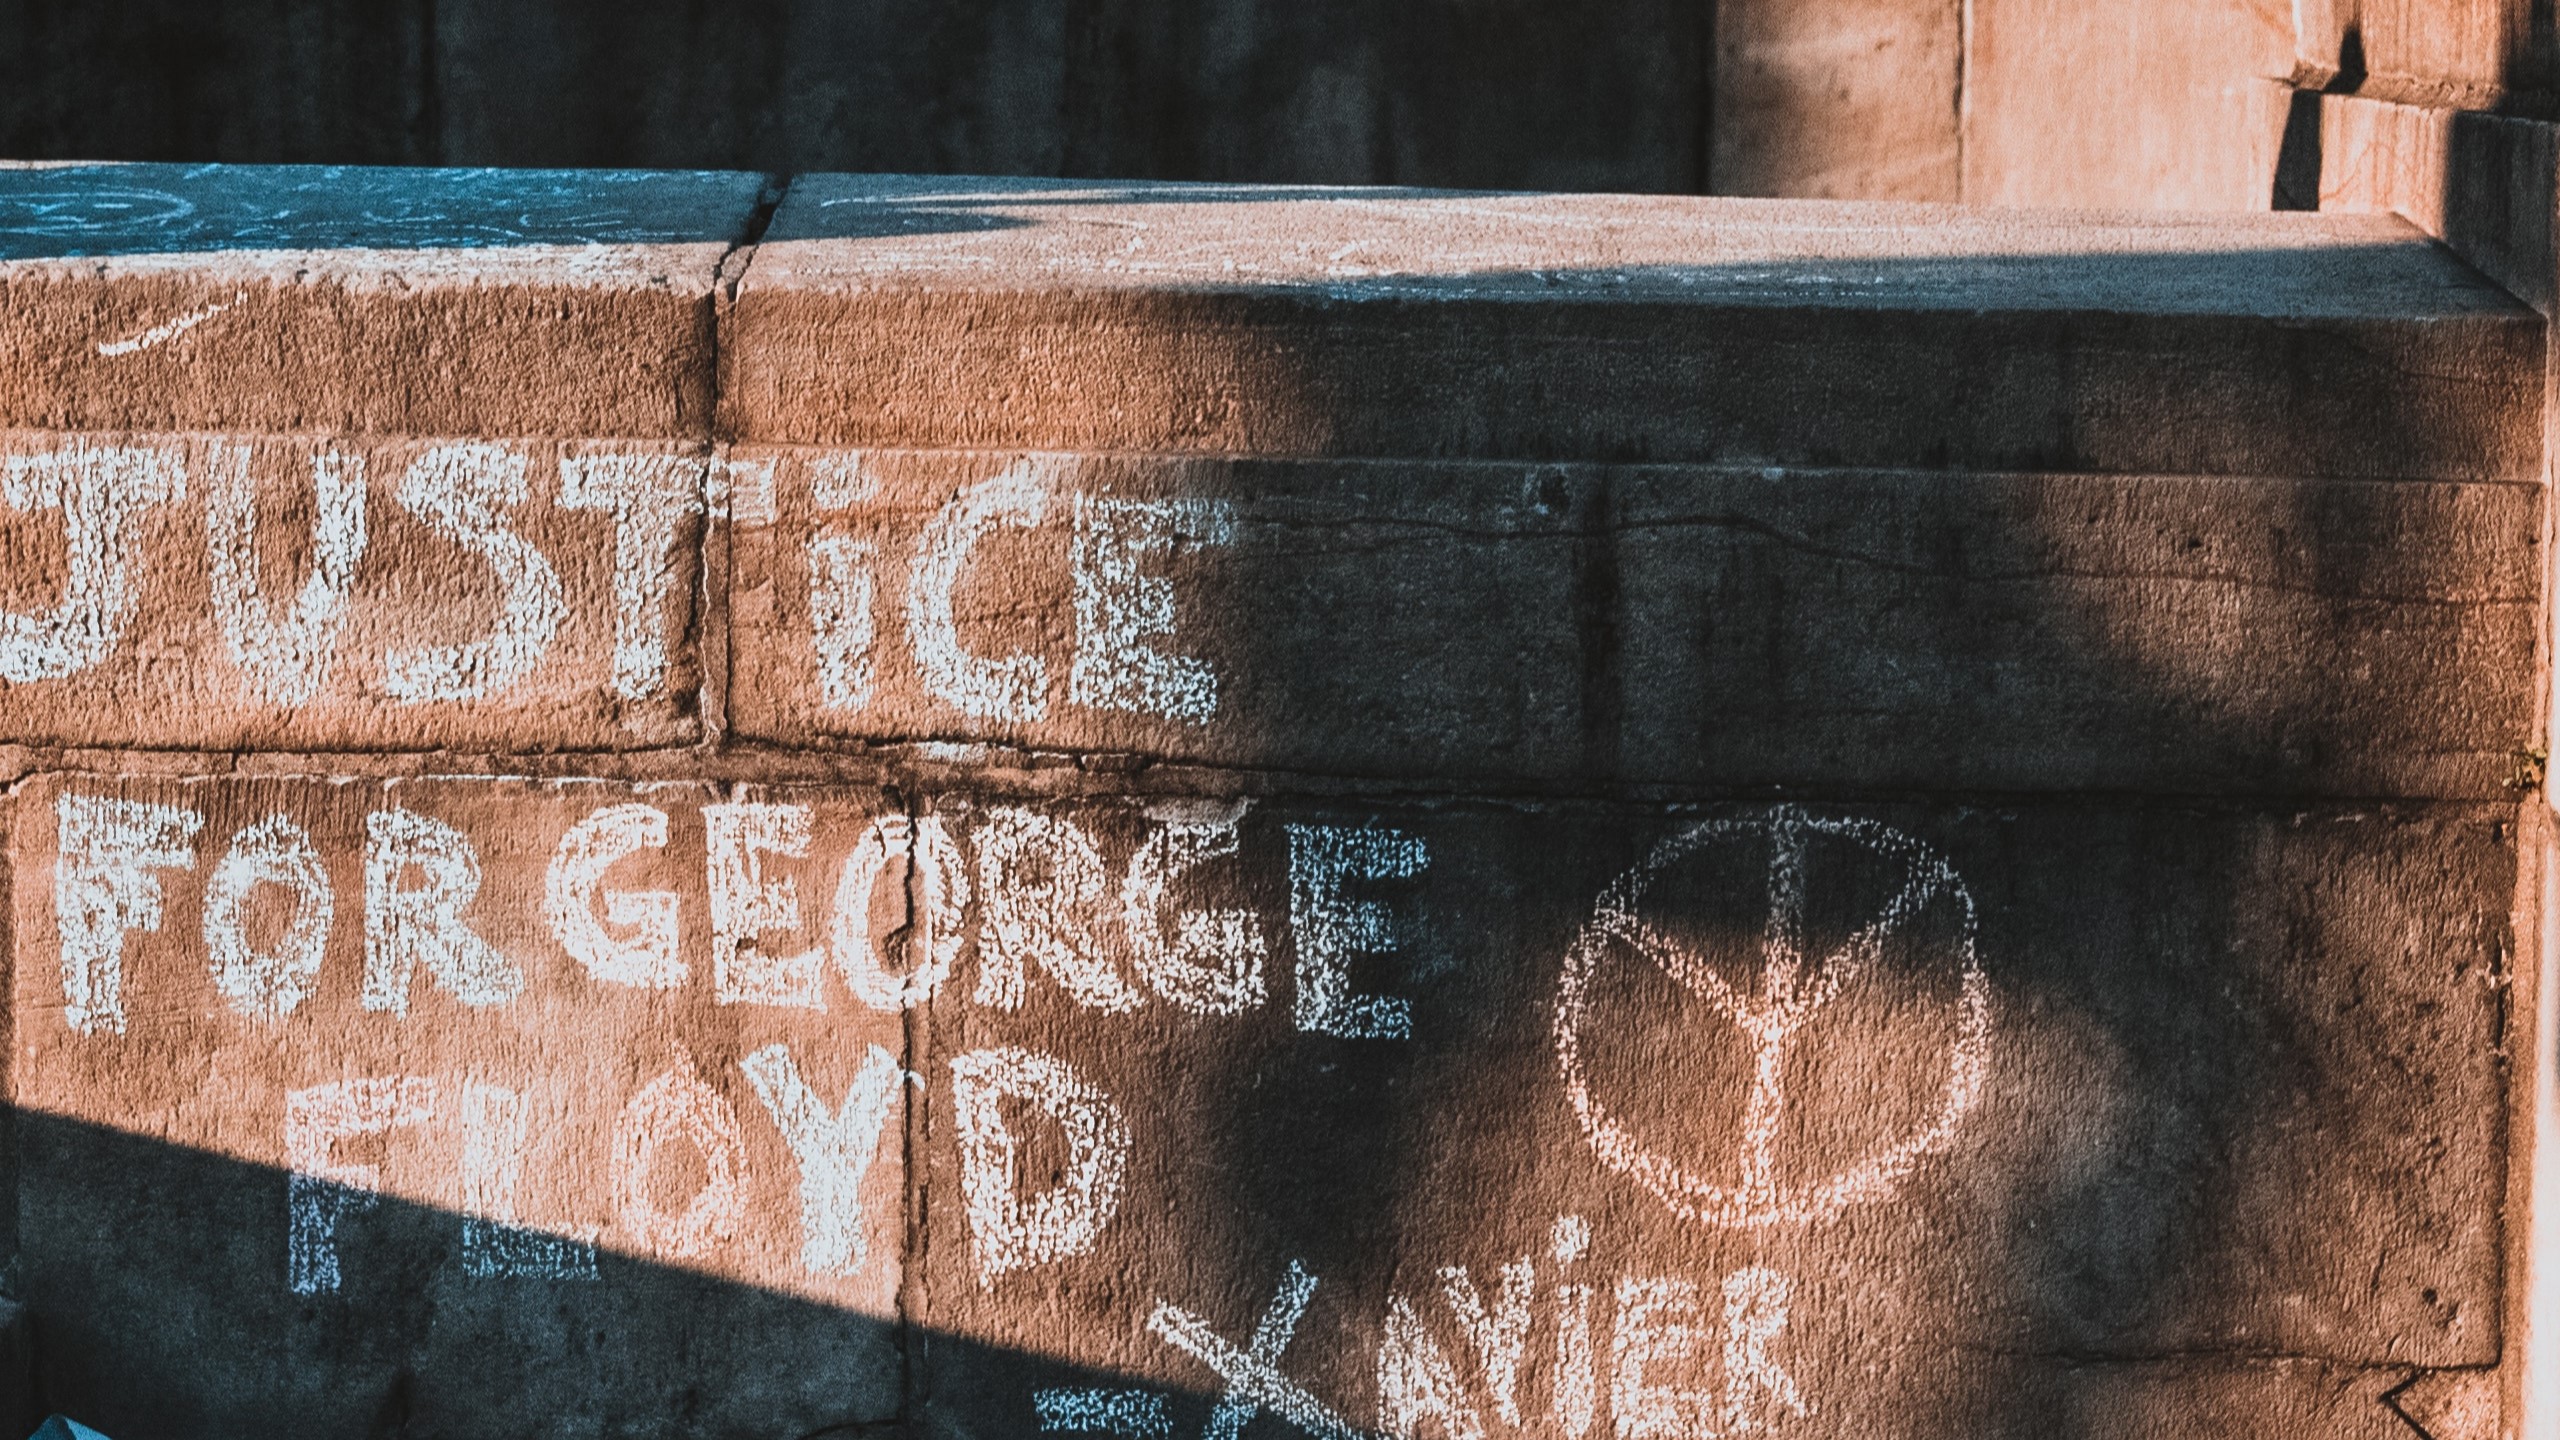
x=97 y=210
x=1021 y=314
x=418 y=302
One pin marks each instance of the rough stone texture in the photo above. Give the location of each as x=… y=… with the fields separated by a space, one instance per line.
x=2451 y=1404
x=2239 y=1094
x=2459 y=54
x=2236 y=1002
x=1844 y=101
x=2165 y=578
x=152 y=1206
x=2175 y=104
x=427 y=634
x=1014 y=314
x=2484 y=184
x=330 y=299
x=1563 y=625
x=17 y=1389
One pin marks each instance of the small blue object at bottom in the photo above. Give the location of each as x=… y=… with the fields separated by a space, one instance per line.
x=1129 y=1414
x=63 y=1427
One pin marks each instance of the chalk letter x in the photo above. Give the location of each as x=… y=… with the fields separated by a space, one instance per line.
x=1254 y=1382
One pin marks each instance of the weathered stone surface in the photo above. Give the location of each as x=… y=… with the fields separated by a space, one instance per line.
x=2162 y=104
x=235 y=592
x=598 y=1222
x=2044 y=1093
x=331 y=299
x=1566 y=624
x=2484 y=184
x=1027 y=314
x=2456 y=54
x=1854 y=101
x=2238 y=1093
x=2452 y=1404
x=2190 y=1396
x=17 y=1392
x=1933 y=1102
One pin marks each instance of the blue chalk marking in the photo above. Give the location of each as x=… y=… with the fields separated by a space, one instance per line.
x=1136 y=1414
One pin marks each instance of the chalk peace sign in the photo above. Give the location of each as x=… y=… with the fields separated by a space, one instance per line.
x=1792 y=989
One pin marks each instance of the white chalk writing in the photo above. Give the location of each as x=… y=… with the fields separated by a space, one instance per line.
x=106 y=853
x=1006 y=1230
x=465 y=491
x=1040 y=878
x=285 y=660
x=268 y=984
x=834 y=1148
x=1333 y=928
x=646 y=956
x=1120 y=608
x=1499 y=1333
x=494 y=1246
x=840 y=624
x=842 y=590
x=1252 y=1375
x=1212 y=962
x=1417 y=1386
x=405 y=924
x=1791 y=992
x=1012 y=688
x=1132 y=1414
x=649 y=497
x=678 y=1108
x=100 y=490
x=934 y=932
x=322 y=1189
x=746 y=905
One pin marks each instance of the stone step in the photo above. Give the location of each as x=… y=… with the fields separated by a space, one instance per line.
x=375 y=300
x=1415 y=324
x=1564 y=627
x=1555 y=493
x=2081 y=1085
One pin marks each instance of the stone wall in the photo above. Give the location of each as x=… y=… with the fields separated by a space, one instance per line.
x=672 y=804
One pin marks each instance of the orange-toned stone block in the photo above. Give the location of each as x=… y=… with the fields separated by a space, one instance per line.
x=304 y=593
x=1593 y=1116
x=1785 y=1094
x=438 y=302
x=1508 y=623
x=1090 y=316
x=556 y=1060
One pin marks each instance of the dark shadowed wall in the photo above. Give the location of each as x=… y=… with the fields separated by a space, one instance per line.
x=2177 y=104
x=1582 y=94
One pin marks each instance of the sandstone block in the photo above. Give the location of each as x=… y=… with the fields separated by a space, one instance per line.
x=1005 y=314
x=292 y=298
x=1891 y=1114
x=1559 y=625
x=233 y=592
